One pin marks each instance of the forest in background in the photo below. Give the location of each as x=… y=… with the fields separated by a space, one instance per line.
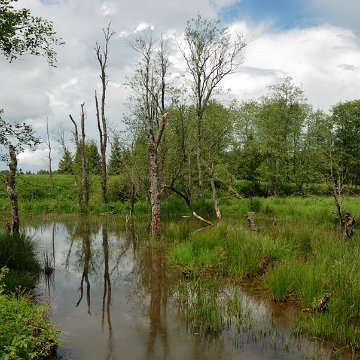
x=186 y=136
x=276 y=145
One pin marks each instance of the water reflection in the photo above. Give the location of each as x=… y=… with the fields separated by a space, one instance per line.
x=113 y=298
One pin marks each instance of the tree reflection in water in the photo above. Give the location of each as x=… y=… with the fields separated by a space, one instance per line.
x=87 y=257
x=113 y=296
x=106 y=303
x=158 y=327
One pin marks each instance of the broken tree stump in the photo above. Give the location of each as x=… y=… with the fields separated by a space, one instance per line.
x=319 y=307
x=347 y=230
x=251 y=221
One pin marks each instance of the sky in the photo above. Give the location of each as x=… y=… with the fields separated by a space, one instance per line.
x=316 y=42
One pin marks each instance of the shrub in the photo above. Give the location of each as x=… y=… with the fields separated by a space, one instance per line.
x=25 y=329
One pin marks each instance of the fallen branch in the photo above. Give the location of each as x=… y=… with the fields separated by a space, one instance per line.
x=202 y=219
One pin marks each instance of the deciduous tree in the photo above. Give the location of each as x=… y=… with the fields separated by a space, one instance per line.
x=149 y=84
x=14 y=138
x=22 y=33
x=211 y=53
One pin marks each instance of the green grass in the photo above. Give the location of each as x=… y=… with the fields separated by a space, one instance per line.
x=18 y=252
x=297 y=255
x=210 y=306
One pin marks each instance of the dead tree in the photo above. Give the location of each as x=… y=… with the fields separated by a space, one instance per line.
x=10 y=189
x=102 y=57
x=251 y=221
x=80 y=145
x=48 y=143
x=153 y=145
x=214 y=195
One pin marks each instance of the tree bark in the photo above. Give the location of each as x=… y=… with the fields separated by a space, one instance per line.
x=80 y=144
x=102 y=57
x=48 y=143
x=214 y=196
x=10 y=189
x=251 y=221
x=322 y=303
x=154 y=170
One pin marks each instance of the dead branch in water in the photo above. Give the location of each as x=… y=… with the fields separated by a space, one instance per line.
x=202 y=219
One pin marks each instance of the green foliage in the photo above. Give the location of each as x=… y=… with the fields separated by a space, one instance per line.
x=17 y=135
x=346 y=120
x=25 y=328
x=18 y=252
x=92 y=159
x=66 y=163
x=21 y=33
x=117 y=158
x=118 y=188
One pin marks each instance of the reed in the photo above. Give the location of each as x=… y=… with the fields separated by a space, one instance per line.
x=18 y=252
x=298 y=254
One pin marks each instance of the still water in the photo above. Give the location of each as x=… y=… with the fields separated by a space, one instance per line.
x=113 y=297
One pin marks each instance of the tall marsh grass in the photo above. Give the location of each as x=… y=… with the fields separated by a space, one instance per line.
x=298 y=254
x=18 y=252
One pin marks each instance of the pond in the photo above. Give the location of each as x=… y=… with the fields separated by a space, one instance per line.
x=114 y=297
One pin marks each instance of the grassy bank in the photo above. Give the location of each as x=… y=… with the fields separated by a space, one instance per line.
x=298 y=255
x=36 y=195
x=25 y=328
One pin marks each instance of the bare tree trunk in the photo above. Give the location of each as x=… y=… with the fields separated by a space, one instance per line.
x=198 y=159
x=102 y=56
x=132 y=198
x=154 y=171
x=10 y=189
x=48 y=143
x=214 y=196
x=80 y=144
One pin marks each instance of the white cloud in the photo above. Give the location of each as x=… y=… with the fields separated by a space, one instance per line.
x=108 y=9
x=325 y=59
x=314 y=57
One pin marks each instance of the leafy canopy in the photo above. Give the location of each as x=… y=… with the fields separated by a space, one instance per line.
x=16 y=135
x=21 y=33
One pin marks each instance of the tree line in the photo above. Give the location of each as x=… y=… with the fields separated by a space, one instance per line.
x=182 y=137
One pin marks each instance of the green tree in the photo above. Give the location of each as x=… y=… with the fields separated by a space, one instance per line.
x=92 y=159
x=116 y=158
x=21 y=33
x=66 y=163
x=245 y=156
x=211 y=53
x=14 y=138
x=346 y=120
x=279 y=122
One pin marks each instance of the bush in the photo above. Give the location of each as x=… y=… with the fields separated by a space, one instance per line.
x=25 y=329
